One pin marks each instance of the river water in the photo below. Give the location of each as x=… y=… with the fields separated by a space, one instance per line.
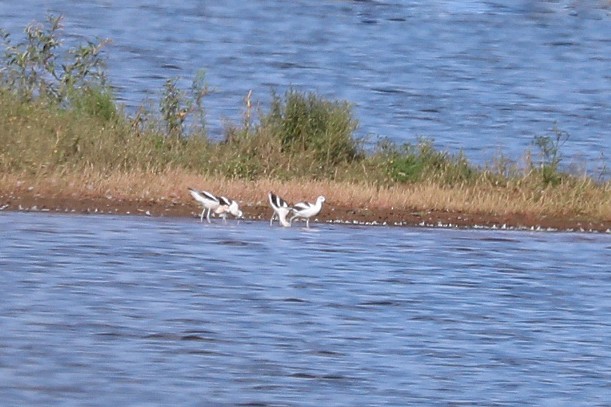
x=103 y=310
x=484 y=77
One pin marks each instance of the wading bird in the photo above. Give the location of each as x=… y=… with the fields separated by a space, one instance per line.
x=306 y=210
x=226 y=206
x=281 y=209
x=207 y=200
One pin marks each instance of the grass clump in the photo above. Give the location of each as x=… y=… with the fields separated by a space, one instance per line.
x=301 y=135
x=411 y=163
x=306 y=124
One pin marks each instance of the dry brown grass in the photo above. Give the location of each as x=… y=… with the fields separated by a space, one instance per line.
x=171 y=185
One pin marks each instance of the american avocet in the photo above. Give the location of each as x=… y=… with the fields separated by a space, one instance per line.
x=207 y=200
x=306 y=210
x=281 y=209
x=226 y=206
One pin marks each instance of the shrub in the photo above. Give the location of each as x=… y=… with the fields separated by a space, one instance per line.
x=176 y=105
x=550 y=155
x=305 y=123
x=36 y=68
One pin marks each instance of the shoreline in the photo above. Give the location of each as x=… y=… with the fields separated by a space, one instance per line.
x=68 y=146
x=179 y=207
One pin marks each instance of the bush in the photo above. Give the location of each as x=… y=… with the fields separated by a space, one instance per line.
x=35 y=68
x=306 y=124
x=176 y=105
x=550 y=155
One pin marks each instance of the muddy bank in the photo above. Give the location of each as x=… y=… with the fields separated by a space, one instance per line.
x=179 y=207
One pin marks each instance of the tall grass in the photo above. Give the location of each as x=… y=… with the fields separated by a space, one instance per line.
x=60 y=121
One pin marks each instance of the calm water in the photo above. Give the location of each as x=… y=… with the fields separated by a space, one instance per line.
x=481 y=76
x=102 y=310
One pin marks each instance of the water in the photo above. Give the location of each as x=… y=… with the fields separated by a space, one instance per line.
x=103 y=310
x=484 y=77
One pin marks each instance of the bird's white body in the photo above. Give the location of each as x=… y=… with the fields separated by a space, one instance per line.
x=208 y=201
x=281 y=209
x=305 y=210
x=226 y=206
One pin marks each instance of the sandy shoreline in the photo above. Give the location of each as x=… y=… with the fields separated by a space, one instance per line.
x=259 y=211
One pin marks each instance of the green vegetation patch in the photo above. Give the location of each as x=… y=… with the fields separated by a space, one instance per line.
x=58 y=113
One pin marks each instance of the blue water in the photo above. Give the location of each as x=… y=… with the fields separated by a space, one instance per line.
x=483 y=77
x=103 y=310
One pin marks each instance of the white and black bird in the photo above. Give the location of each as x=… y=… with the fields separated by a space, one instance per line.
x=207 y=200
x=305 y=210
x=281 y=209
x=226 y=206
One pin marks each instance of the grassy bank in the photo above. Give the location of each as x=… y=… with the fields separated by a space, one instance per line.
x=171 y=185
x=64 y=135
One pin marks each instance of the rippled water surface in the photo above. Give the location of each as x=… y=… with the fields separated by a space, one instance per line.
x=481 y=76
x=97 y=310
